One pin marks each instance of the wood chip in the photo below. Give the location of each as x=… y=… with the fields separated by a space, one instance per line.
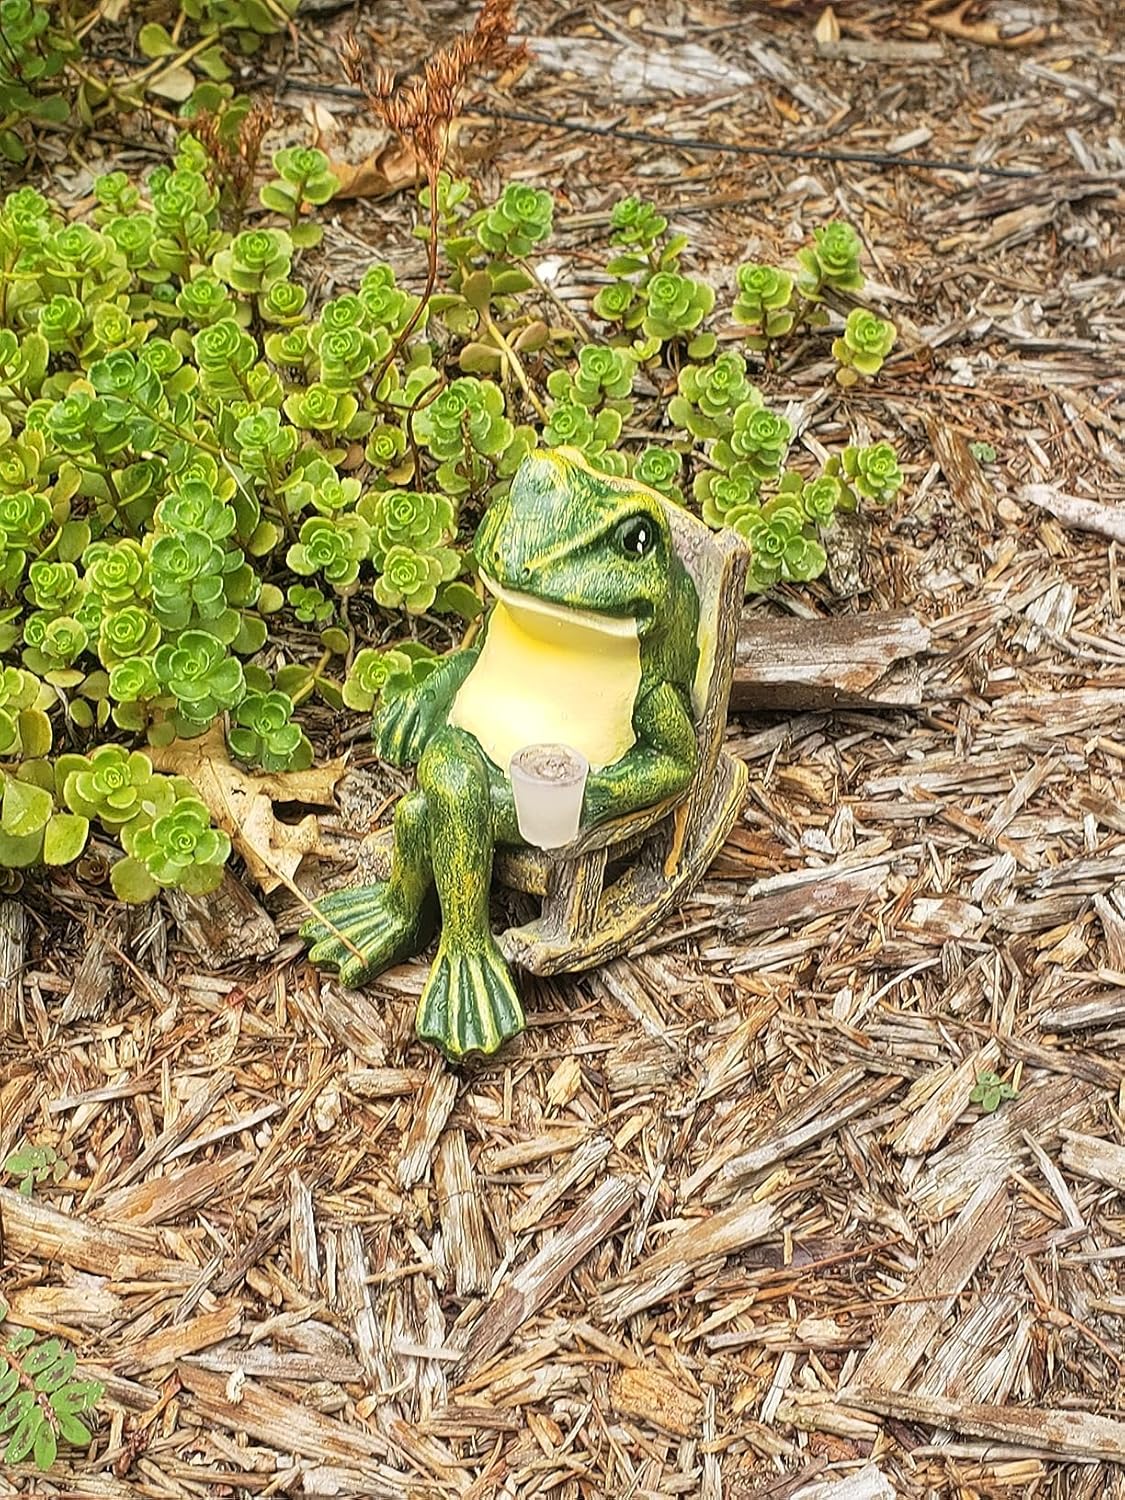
x=912 y=1326
x=529 y=1287
x=657 y=1399
x=1067 y=1434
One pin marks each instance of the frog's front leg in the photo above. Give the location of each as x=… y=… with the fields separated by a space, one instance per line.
x=470 y=1002
x=402 y=728
x=659 y=765
x=364 y=930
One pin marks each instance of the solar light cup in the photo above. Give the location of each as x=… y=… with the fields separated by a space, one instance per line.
x=548 y=783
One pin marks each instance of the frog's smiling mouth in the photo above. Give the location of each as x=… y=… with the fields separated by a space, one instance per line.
x=585 y=619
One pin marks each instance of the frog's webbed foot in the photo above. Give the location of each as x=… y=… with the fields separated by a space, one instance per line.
x=469 y=1003
x=362 y=931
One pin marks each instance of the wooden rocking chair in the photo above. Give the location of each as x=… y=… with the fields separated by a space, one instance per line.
x=665 y=848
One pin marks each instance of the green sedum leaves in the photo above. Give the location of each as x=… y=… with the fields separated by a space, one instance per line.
x=220 y=495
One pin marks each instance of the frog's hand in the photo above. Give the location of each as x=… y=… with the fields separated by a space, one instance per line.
x=361 y=932
x=402 y=728
x=469 y=1003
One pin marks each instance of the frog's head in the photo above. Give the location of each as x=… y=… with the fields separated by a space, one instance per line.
x=575 y=539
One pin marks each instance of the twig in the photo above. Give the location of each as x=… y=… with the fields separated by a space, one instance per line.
x=684 y=143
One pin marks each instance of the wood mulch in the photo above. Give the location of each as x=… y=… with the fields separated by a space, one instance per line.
x=726 y=1221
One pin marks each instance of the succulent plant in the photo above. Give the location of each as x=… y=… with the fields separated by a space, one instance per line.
x=614 y=302
x=660 y=469
x=407 y=518
x=410 y=578
x=113 y=785
x=873 y=471
x=676 y=305
x=468 y=413
x=865 y=345
x=723 y=495
x=255 y=259
x=196 y=671
x=636 y=223
x=179 y=849
x=763 y=302
x=832 y=260
x=758 y=438
x=709 y=395
x=518 y=221
x=368 y=675
x=780 y=547
x=334 y=548
x=265 y=735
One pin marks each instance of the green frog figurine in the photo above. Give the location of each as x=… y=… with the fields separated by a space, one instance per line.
x=590 y=641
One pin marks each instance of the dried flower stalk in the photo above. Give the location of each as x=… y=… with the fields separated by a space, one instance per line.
x=422 y=110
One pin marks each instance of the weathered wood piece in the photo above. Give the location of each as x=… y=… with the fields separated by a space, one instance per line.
x=290 y=1427
x=845 y=661
x=844 y=1094
x=914 y=1323
x=580 y=1165
x=925 y=1127
x=636 y=73
x=185 y=1122
x=167 y=1345
x=357 y=1306
x=1091 y=1157
x=657 y=1399
x=802 y=896
x=1084 y=1012
x=669 y=1269
x=95 y=975
x=1073 y=510
x=868 y=1483
x=162 y=1199
x=1066 y=1434
x=304 y=1255
x=226 y=926
x=13 y=944
x=996 y=1144
x=31 y=1228
x=529 y=1287
x=435 y=1103
x=465 y=1240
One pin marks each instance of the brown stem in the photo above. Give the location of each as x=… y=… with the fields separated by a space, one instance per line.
x=427 y=290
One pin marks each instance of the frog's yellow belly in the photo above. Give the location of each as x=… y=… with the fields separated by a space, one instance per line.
x=547 y=676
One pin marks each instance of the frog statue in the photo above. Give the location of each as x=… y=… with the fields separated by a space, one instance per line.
x=590 y=640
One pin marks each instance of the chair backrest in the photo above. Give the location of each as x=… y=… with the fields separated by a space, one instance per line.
x=716 y=562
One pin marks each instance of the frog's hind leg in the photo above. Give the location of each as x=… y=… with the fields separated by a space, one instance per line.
x=470 y=1002
x=362 y=931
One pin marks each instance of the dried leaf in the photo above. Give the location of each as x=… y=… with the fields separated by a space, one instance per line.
x=243 y=804
x=389 y=170
x=176 y=84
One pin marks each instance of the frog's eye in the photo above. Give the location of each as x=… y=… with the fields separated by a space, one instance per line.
x=637 y=536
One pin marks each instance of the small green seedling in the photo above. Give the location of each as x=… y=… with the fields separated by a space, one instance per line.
x=33 y=1165
x=40 y=1401
x=990 y=1092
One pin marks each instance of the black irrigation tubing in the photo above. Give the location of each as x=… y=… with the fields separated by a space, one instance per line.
x=734 y=148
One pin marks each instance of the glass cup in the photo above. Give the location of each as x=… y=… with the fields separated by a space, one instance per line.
x=548 y=783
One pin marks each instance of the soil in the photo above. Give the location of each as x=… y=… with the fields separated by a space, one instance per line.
x=734 y=1217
